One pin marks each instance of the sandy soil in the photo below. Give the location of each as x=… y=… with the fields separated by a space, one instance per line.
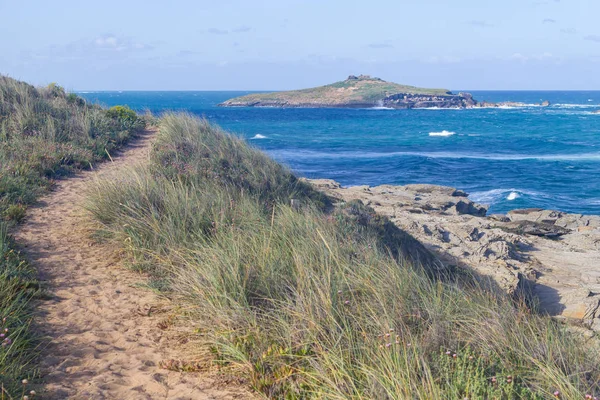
x=107 y=335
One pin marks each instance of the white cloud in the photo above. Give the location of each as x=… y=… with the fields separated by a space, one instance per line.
x=569 y=31
x=593 y=38
x=381 y=45
x=115 y=43
x=533 y=57
x=479 y=24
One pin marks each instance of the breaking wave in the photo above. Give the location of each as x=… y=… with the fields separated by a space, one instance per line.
x=442 y=133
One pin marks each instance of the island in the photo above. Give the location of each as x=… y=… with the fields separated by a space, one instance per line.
x=364 y=91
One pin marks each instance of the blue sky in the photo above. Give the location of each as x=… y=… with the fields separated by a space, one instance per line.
x=289 y=44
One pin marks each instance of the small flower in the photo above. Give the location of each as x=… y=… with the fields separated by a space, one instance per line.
x=454 y=356
x=391 y=330
x=588 y=396
x=556 y=393
x=347 y=302
x=471 y=358
x=387 y=335
x=494 y=380
x=388 y=344
x=25 y=397
x=339 y=292
x=448 y=353
x=397 y=342
x=32 y=393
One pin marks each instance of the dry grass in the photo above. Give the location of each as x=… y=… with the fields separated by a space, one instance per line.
x=312 y=303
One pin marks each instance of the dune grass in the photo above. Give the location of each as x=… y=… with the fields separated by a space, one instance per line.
x=314 y=302
x=45 y=133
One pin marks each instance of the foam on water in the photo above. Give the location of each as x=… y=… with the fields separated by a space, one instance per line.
x=512 y=196
x=494 y=196
x=443 y=133
x=259 y=136
x=575 y=105
x=310 y=154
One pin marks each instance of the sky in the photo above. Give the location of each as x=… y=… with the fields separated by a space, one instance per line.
x=292 y=44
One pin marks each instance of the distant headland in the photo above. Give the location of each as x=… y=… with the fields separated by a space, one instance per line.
x=364 y=91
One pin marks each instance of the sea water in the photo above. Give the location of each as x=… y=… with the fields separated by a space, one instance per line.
x=546 y=157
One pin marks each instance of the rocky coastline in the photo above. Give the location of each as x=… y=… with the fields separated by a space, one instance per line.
x=548 y=257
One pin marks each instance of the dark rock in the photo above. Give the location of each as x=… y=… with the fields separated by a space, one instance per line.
x=526 y=227
x=499 y=217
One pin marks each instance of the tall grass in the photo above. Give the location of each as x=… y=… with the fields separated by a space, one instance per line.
x=44 y=133
x=312 y=302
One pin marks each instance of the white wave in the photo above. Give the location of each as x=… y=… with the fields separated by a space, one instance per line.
x=512 y=196
x=259 y=136
x=442 y=108
x=307 y=154
x=381 y=108
x=496 y=195
x=574 y=105
x=442 y=133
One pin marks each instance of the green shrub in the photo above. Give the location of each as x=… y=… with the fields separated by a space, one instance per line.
x=311 y=304
x=15 y=212
x=17 y=287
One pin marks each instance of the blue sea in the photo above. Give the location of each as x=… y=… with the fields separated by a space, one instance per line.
x=507 y=158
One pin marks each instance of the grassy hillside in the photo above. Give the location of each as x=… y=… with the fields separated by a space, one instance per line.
x=350 y=91
x=310 y=302
x=44 y=133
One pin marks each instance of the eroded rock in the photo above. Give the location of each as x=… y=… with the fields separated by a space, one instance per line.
x=549 y=256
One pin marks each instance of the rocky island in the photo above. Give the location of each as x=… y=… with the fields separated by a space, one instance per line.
x=364 y=91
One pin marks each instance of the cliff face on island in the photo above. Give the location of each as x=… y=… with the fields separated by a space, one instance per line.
x=549 y=257
x=360 y=91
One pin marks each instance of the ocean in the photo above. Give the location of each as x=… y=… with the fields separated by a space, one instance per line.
x=545 y=157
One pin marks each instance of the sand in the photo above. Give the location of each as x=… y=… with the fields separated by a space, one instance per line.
x=107 y=334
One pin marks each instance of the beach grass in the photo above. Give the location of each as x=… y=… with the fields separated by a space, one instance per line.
x=313 y=301
x=45 y=133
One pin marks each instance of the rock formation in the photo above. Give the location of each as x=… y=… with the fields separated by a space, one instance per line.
x=550 y=257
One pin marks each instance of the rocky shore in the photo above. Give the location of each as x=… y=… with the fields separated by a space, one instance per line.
x=550 y=257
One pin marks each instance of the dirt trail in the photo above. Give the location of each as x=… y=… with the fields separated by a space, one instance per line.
x=105 y=337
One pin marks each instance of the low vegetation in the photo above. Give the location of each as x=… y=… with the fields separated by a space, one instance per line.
x=315 y=302
x=360 y=90
x=45 y=133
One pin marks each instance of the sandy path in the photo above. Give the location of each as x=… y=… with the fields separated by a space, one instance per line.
x=104 y=342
